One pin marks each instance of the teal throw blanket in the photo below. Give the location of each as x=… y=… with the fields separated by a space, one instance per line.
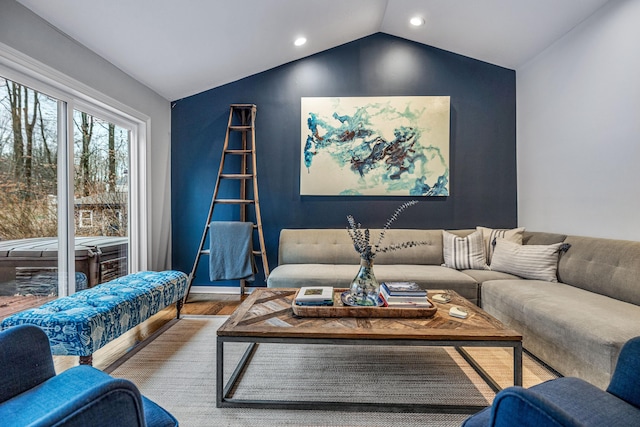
x=231 y=256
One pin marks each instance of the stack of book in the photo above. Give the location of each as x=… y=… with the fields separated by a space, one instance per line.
x=403 y=294
x=315 y=295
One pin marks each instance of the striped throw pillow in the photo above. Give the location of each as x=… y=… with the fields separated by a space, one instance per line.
x=490 y=234
x=464 y=253
x=527 y=261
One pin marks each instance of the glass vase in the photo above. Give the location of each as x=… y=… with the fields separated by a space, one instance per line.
x=364 y=287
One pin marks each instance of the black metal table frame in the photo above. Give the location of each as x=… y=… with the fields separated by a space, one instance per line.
x=223 y=399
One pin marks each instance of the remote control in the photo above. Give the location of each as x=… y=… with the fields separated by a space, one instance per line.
x=458 y=312
x=441 y=298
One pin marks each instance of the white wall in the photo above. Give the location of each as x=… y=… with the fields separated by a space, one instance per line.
x=22 y=30
x=578 y=129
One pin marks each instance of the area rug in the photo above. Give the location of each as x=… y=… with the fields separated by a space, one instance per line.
x=177 y=370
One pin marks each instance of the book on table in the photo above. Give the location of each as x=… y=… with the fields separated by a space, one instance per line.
x=415 y=302
x=315 y=295
x=403 y=289
x=403 y=294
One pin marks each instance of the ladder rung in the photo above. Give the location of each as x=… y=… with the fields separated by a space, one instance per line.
x=238 y=151
x=255 y=226
x=234 y=201
x=243 y=106
x=208 y=252
x=241 y=128
x=236 y=175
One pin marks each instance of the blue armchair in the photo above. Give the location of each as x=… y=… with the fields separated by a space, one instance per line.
x=571 y=402
x=32 y=394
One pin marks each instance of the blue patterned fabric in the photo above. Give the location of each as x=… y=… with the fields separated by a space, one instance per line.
x=81 y=323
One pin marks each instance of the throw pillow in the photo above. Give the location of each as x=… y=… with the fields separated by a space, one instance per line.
x=513 y=235
x=527 y=261
x=464 y=252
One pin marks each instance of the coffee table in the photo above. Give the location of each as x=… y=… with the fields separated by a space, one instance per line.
x=266 y=317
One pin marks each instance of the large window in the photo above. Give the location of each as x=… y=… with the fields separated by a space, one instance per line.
x=69 y=170
x=28 y=194
x=101 y=193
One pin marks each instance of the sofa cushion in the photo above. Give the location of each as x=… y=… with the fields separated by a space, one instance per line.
x=334 y=246
x=319 y=246
x=489 y=234
x=577 y=332
x=481 y=276
x=433 y=277
x=464 y=252
x=605 y=266
x=298 y=275
x=340 y=276
x=527 y=261
x=542 y=238
x=427 y=254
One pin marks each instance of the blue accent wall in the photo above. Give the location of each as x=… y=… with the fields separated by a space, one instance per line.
x=482 y=156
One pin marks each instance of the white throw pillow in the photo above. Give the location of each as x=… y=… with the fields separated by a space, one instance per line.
x=513 y=235
x=527 y=261
x=464 y=252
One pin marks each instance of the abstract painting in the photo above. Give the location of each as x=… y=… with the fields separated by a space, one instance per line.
x=382 y=146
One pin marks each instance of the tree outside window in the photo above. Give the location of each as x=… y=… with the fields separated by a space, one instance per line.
x=29 y=154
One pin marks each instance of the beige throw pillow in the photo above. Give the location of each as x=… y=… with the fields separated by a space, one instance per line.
x=513 y=235
x=464 y=253
x=527 y=261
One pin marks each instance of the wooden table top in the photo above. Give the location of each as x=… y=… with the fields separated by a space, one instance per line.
x=267 y=313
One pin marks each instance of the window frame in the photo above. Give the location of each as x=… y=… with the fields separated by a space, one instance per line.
x=74 y=95
x=81 y=218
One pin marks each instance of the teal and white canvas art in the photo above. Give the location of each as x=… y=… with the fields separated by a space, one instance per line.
x=375 y=146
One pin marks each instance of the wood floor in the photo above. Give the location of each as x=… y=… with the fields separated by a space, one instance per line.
x=198 y=304
x=13 y=304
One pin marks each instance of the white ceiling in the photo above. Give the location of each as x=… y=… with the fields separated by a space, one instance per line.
x=180 y=48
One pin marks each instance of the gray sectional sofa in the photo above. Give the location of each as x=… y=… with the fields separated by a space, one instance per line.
x=314 y=257
x=577 y=325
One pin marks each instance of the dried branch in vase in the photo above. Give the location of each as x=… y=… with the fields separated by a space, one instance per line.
x=361 y=238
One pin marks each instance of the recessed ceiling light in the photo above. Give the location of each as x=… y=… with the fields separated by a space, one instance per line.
x=417 y=21
x=300 y=41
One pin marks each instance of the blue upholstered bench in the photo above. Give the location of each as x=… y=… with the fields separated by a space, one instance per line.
x=81 y=323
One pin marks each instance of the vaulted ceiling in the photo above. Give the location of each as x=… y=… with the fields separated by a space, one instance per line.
x=180 y=48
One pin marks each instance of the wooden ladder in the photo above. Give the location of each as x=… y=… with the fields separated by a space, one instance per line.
x=241 y=120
